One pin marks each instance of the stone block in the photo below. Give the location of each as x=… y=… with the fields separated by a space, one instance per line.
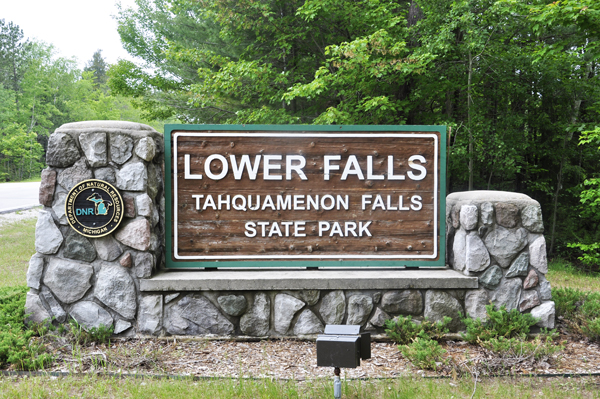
x=144 y=264
x=59 y=208
x=107 y=248
x=94 y=148
x=133 y=177
x=546 y=312
x=106 y=174
x=233 y=305
x=333 y=307
x=504 y=244
x=507 y=294
x=529 y=299
x=359 y=309
x=35 y=271
x=487 y=213
x=196 y=315
x=507 y=214
x=115 y=288
x=545 y=289
x=126 y=260
x=154 y=180
x=308 y=323
x=459 y=250
x=477 y=256
x=256 y=321
x=144 y=205
x=402 y=302
x=531 y=280
x=135 y=234
x=285 y=308
x=90 y=315
x=121 y=149
x=537 y=255
x=311 y=297
x=531 y=218
x=519 y=266
x=121 y=326
x=48 y=237
x=47 y=187
x=129 y=203
x=379 y=318
x=455 y=216
x=62 y=150
x=55 y=309
x=468 y=216
x=77 y=173
x=491 y=278
x=145 y=149
x=34 y=308
x=150 y=314
x=475 y=303
x=439 y=304
x=78 y=247
x=68 y=280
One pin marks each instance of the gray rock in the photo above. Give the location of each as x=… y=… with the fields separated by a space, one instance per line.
x=35 y=271
x=519 y=266
x=55 y=309
x=107 y=248
x=62 y=150
x=308 y=323
x=439 y=304
x=78 y=247
x=507 y=215
x=120 y=326
x=170 y=297
x=333 y=307
x=94 y=148
x=47 y=185
x=68 y=280
x=154 y=180
x=135 y=234
x=531 y=280
x=487 y=213
x=175 y=324
x=507 y=294
x=402 y=302
x=531 y=219
x=477 y=256
x=529 y=299
x=145 y=149
x=311 y=297
x=59 y=208
x=156 y=218
x=106 y=174
x=47 y=236
x=468 y=216
x=233 y=305
x=256 y=321
x=504 y=244
x=77 y=173
x=35 y=311
x=126 y=260
x=132 y=177
x=150 y=314
x=284 y=310
x=144 y=265
x=475 y=302
x=359 y=309
x=129 y=203
x=144 y=205
x=545 y=289
x=455 y=216
x=379 y=318
x=120 y=149
x=459 y=250
x=115 y=288
x=491 y=278
x=90 y=315
x=203 y=316
x=537 y=255
x=546 y=312
x=376 y=297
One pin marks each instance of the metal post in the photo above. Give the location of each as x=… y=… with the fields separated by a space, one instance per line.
x=337 y=384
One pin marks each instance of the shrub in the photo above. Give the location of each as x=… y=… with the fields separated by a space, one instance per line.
x=500 y=323
x=591 y=329
x=423 y=352
x=403 y=330
x=99 y=335
x=539 y=348
x=567 y=300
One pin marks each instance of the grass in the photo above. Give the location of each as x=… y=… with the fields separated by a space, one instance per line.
x=17 y=245
x=100 y=387
x=562 y=274
x=32 y=179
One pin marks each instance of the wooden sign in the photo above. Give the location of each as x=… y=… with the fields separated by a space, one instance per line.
x=281 y=196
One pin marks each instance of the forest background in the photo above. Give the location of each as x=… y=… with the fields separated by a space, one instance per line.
x=516 y=82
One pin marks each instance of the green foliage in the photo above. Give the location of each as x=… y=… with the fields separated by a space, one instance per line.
x=16 y=345
x=423 y=352
x=499 y=323
x=81 y=336
x=539 y=348
x=579 y=309
x=403 y=330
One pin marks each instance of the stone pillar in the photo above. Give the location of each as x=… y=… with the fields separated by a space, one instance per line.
x=497 y=236
x=96 y=280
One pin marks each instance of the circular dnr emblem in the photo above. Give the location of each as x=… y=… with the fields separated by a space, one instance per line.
x=94 y=208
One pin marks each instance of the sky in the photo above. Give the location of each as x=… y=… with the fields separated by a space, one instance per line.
x=76 y=28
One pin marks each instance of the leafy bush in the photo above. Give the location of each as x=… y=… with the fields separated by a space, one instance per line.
x=423 y=352
x=99 y=335
x=566 y=300
x=580 y=310
x=403 y=330
x=500 y=323
x=16 y=346
x=538 y=349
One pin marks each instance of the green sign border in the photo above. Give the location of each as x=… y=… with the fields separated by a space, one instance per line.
x=170 y=264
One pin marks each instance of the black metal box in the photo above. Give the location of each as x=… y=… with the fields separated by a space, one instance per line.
x=338 y=351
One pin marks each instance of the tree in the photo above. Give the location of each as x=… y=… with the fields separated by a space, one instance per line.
x=98 y=67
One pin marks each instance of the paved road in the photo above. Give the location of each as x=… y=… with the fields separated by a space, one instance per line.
x=15 y=196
